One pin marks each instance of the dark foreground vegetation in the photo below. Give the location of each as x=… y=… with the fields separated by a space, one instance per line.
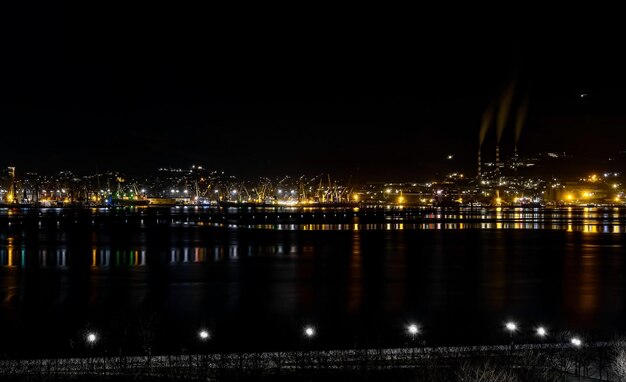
x=521 y=363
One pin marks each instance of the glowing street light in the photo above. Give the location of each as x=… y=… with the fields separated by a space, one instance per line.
x=91 y=338
x=577 y=342
x=542 y=332
x=203 y=334
x=511 y=327
x=309 y=331
x=413 y=330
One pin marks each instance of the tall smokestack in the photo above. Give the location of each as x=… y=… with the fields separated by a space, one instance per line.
x=497 y=160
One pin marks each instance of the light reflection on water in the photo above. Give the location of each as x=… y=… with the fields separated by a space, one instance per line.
x=352 y=274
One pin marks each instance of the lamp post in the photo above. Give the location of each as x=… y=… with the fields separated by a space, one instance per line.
x=577 y=343
x=413 y=330
x=309 y=333
x=204 y=336
x=511 y=327
x=542 y=333
x=91 y=338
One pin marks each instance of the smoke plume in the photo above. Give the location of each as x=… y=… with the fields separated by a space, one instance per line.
x=504 y=107
x=486 y=122
x=521 y=118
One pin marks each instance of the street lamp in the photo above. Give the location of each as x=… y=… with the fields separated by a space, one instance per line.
x=577 y=342
x=309 y=331
x=91 y=338
x=542 y=332
x=203 y=335
x=413 y=330
x=511 y=327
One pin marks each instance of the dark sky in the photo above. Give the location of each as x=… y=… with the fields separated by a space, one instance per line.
x=139 y=87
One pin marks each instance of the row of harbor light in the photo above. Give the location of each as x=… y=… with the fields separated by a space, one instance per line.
x=412 y=329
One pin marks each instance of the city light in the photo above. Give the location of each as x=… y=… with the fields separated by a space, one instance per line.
x=577 y=342
x=413 y=329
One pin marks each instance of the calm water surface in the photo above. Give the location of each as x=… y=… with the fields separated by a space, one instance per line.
x=148 y=279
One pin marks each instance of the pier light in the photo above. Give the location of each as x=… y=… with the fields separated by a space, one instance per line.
x=309 y=331
x=576 y=342
x=511 y=326
x=542 y=332
x=91 y=338
x=203 y=334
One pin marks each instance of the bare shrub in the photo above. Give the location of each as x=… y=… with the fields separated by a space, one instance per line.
x=483 y=373
x=618 y=366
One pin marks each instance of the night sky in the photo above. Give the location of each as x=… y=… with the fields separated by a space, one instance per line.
x=141 y=87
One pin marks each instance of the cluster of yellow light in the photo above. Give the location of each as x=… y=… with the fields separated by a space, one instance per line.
x=401 y=199
x=287 y=203
x=593 y=178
